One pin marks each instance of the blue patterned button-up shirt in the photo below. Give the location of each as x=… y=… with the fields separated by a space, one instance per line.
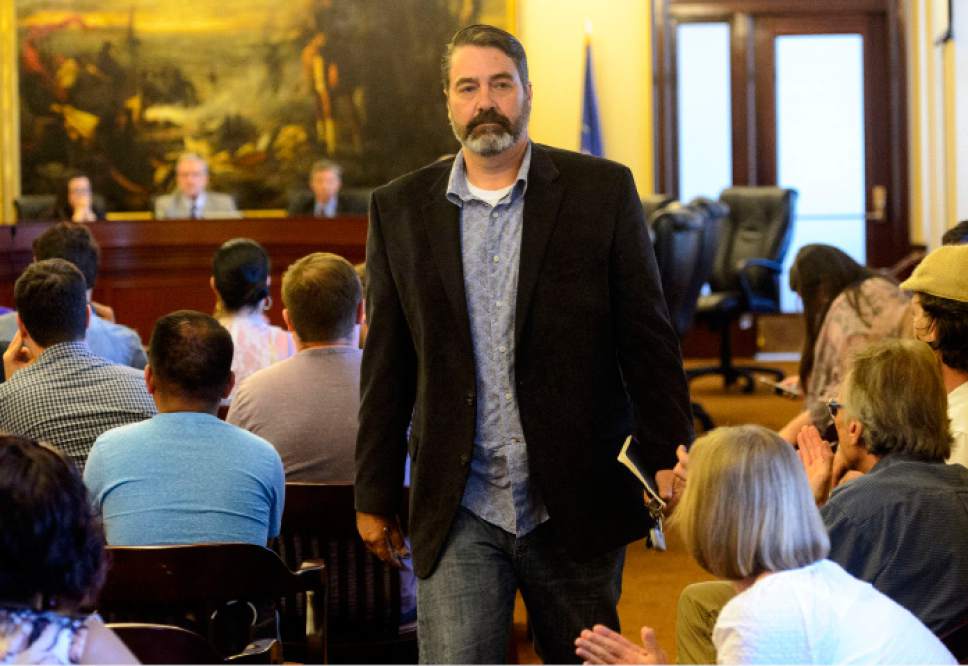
x=498 y=489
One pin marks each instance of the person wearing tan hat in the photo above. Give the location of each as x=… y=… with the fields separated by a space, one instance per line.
x=940 y=308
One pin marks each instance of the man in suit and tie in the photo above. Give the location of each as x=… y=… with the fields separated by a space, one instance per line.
x=518 y=334
x=191 y=200
x=325 y=198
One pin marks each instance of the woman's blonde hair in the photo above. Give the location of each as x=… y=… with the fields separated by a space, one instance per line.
x=894 y=388
x=747 y=507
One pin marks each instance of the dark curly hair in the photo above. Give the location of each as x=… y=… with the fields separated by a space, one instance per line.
x=950 y=319
x=51 y=542
x=241 y=269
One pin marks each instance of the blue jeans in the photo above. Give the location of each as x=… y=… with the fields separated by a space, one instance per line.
x=465 y=607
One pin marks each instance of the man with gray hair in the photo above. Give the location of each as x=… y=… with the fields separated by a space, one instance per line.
x=191 y=200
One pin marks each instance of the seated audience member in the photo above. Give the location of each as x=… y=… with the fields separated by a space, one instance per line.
x=75 y=201
x=956 y=235
x=845 y=308
x=51 y=562
x=240 y=280
x=903 y=524
x=57 y=389
x=747 y=515
x=324 y=198
x=191 y=200
x=940 y=307
x=73 y=242
x=185 y=476
x=307 y=406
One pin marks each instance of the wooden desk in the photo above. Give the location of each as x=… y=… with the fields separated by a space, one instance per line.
x=150 y=268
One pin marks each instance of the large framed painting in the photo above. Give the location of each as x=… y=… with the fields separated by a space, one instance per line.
x=260 y=88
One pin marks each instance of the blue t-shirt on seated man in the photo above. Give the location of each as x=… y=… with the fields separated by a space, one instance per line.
x=184 y=476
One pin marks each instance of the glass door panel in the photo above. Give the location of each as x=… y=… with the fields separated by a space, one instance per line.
x=820 y=142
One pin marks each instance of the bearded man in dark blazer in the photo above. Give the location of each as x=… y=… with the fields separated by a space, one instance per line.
x=518 y=334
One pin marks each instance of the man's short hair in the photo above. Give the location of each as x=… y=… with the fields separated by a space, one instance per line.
x=950 y=321
x=326 y=165
x=73 y=242
x=747 y=508
x=321 y=293
x=51 y=300
x=894 y=388
x=956 y=235
x=485 y=36
x=190 y=354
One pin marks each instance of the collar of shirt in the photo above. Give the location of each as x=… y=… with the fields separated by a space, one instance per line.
x=458 y=192
x=63 y=350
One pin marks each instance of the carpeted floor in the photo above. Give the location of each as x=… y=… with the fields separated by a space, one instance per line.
x=653 y=580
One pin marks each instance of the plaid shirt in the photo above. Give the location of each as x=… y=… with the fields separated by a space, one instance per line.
x=69 y=396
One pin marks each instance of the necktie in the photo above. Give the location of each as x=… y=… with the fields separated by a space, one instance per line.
x=194 y=212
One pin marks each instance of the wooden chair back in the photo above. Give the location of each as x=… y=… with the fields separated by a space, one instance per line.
x=168 y=644
x=364 y=613
x=201 y=585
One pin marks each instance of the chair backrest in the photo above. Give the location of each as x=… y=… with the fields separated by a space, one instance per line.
x=652 y=203
x=319 y=521
x=168 y=644
x=714 y=215
x=34 y=206
x=759 y=226
x=41 y=206
x=202 y=581
x=165 y=644
x=678 y=247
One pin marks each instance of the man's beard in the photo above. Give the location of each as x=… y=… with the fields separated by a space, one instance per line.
x=492 y=140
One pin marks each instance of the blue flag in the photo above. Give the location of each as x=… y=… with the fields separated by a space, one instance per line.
x=591 y=128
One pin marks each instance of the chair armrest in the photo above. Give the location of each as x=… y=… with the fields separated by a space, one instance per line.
x=311 y=565
x=744 y=267
x=263 y=651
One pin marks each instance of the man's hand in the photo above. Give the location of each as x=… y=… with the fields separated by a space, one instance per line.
x=105 y=312
x=16 y=357
x=601 y=645
x=818 y=462
x=382 y=537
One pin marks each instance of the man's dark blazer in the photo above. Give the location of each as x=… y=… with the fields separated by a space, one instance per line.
x=303 y=204
x=596 y=358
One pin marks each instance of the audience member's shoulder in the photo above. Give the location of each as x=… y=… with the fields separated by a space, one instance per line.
x=121 y=436
x=253 y=442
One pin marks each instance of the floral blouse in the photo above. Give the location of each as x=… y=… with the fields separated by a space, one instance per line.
x=32 y=637
x=258 y=344
x=884 y=313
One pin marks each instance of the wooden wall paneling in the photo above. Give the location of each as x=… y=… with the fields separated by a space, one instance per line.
x=151 y=268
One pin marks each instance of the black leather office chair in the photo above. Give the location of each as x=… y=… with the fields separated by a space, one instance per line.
x=678 y=233
x=745 y=278
x=34 y=206
x=652 y=203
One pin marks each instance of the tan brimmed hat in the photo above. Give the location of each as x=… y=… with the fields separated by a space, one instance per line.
x=943 y=273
